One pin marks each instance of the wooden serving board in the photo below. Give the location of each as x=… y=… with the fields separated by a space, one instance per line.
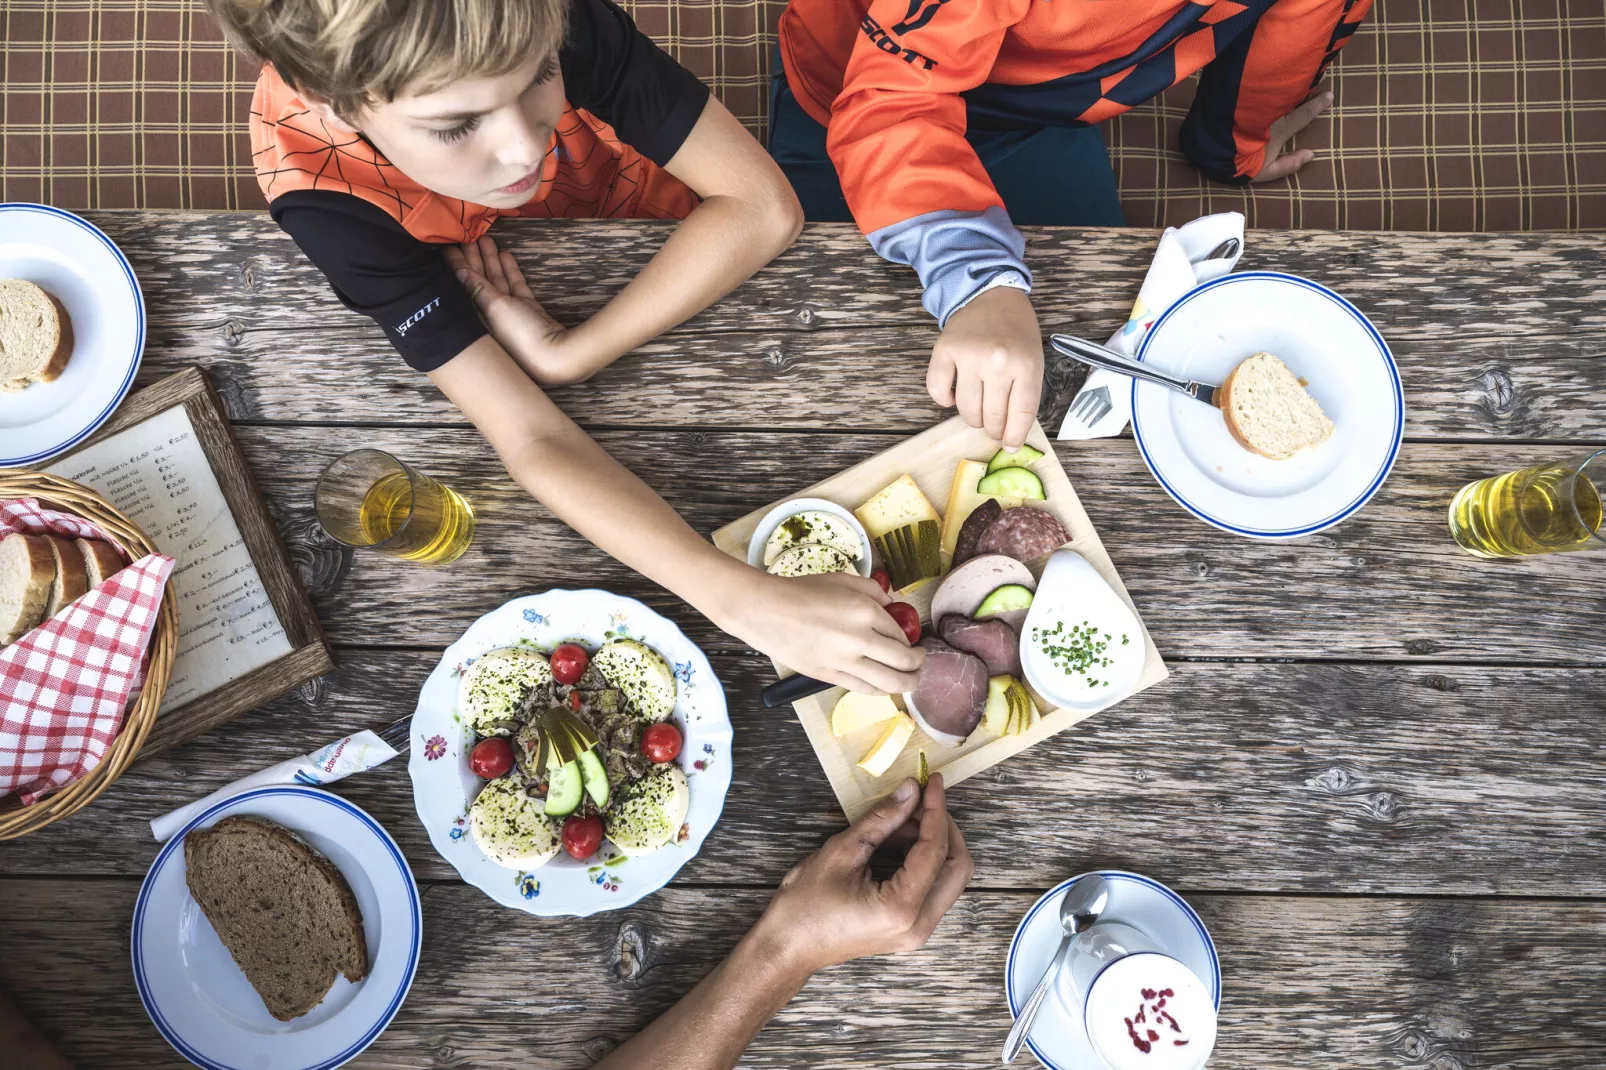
x=929 y=458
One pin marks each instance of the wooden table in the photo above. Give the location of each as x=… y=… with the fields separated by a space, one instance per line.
x=1376 y=771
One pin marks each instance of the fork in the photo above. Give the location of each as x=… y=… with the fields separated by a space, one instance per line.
x=398 y=733
x=1091 y=406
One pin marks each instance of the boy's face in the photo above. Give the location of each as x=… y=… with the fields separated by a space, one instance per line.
x=482 y=139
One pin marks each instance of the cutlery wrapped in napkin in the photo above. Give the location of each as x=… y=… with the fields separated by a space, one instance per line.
x=354 y=754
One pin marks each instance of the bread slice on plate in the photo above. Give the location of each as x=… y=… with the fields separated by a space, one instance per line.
x=282 y=909
x=27 y=570
x=35 y=336
x=72 y=579
x=1268 y=410
x=101 y=561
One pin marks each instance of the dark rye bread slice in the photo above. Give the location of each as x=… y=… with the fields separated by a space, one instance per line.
x=281 y=908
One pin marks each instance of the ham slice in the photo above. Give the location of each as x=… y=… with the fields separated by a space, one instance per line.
x=992 y=640
x=951 y=695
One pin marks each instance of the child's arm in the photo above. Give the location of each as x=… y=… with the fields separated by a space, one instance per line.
x=748 y=216
x=830 y=627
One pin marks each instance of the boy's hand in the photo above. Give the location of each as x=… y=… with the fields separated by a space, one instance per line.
x=1276 y=165
x=515 y=317
x=829 y=909
x=989 y=361
x=834 y=628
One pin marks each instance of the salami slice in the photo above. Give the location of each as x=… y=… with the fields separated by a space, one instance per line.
x=970 y=531
x=1023 y=533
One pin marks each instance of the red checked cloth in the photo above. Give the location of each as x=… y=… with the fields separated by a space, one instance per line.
x=65 y=685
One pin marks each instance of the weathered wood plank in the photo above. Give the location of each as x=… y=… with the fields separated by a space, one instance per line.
x=1264 y=777
x=1363 y=983
x=1497 y=335
x=1388 y=583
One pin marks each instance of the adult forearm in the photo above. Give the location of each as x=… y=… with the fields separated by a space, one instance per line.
x=716 y=1021
x=717 y=248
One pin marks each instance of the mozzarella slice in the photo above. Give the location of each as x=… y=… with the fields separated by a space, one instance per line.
x=642 y=674
x=652 y=812
x=811 y=559
x=816 y=526
x=493 y=686
x=510 y=827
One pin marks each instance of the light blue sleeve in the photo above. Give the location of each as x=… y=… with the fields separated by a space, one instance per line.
x=955 y=253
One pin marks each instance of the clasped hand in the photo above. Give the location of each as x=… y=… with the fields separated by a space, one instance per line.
x=541 y=345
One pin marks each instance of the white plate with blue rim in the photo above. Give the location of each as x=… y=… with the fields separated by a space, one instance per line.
x=1325 y=341
x=1058 y=1037
x=444 y=787
x=74 y=262
x=200 y=1001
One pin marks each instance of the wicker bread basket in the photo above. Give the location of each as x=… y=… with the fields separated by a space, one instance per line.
x=69 y=497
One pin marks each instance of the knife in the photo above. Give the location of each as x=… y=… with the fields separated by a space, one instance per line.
x=1091 y=353
x=787 y=691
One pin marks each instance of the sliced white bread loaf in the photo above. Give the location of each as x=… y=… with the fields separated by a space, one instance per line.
x=1268 y=410
x=27 y=569
x=282 y=909
x=35 y=337
x=101 y=561
x=72 y=579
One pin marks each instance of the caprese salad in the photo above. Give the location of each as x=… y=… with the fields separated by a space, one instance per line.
x=575 y=747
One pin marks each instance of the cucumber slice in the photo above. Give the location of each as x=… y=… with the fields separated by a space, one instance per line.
x=1012 y=483
x=1010 y=596
x=563 y=790
x=595 y=779
x=1024 y=457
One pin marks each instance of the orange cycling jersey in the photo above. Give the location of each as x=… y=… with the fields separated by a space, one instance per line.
x=588 y=172
x=897 y=82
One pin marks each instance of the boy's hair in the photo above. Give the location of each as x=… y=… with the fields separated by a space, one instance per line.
x=352 y=53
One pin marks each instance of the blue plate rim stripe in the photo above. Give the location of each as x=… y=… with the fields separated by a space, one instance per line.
x=139 y=333
x=168 y=848
x=1119 y=874
x=1389 y=364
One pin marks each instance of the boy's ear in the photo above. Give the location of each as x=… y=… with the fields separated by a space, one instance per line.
x=322 y=110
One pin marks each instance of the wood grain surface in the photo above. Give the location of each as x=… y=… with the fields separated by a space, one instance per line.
x=1374 y=770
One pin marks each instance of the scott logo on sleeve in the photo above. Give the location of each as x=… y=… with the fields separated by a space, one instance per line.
x=402 y=328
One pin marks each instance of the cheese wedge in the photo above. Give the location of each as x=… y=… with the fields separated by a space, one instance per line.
x=898 y=503
x=854 y=711
x=889 y=746
x=963 y=497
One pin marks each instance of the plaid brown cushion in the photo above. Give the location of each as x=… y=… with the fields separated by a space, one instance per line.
x=1449 y=114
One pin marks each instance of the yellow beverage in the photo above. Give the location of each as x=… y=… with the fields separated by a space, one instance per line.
x=1549 y=508
x=432 y=527
x=368 y=498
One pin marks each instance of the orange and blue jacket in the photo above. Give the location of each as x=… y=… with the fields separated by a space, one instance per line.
x=897 y=83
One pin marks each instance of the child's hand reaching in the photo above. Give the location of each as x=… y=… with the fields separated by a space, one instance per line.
x=537 y=341
x=834 y=628
x=989 y=362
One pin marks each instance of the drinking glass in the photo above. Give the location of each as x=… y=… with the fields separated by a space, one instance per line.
x=1549 y=508
x=369 y=499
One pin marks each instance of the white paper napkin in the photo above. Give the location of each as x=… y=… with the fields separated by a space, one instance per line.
x=1179 y=265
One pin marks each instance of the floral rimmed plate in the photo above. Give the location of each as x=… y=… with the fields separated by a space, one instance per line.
x=444 y=788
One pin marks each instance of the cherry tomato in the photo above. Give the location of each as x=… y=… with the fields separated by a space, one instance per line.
x=582 y=835
x=491 y=757
x=569 y=663
x=661 y=743
x=908 y=618
x=574 y=700
x=881 y=577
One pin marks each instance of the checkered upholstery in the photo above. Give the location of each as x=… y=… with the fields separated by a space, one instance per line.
x=1450 y=114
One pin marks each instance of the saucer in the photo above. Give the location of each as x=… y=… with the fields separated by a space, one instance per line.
x=1057 y=1037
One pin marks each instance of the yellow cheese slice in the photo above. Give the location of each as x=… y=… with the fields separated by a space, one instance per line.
x=889 y=746
x=962 y=500
x=854 y=711
x=898 y=503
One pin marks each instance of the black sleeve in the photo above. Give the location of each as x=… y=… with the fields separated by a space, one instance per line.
x=616 y=72
x=380 y=270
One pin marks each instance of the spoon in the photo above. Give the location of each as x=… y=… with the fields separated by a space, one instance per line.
x=1083 y=903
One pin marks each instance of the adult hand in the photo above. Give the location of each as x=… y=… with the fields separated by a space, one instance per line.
x=834 y=628
x=989 y=362
x=829 y=909
x=516 y=319
x=1277 y=165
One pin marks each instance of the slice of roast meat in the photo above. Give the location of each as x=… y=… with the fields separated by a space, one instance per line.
x=951 y=695
x=991 y=640
x=1023 y=533
x=970 y=531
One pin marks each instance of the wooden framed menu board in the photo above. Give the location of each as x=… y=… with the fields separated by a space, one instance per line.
x=247 y=631
x=930 y=458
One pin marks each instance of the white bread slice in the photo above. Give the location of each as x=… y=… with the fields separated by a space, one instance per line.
x=27 y=569
x=1268 y=411
x=101 y=561
x=35 y=337
x=72 y=579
